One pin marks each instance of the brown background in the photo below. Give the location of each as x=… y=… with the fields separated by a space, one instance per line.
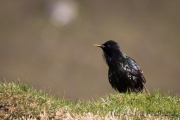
x=61 y=59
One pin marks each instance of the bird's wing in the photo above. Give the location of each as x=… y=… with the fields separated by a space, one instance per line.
x=132 y=70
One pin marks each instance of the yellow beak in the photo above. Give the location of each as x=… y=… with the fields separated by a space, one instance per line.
x=97 y=45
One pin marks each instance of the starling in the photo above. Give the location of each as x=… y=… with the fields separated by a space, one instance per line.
x=124 y=74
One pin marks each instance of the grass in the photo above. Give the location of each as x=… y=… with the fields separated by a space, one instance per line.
x=18 y=100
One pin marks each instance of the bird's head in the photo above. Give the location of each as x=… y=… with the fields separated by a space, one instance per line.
x=109 y=47
x=112 y=53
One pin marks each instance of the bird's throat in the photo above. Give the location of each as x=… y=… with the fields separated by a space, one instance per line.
x=113 y=59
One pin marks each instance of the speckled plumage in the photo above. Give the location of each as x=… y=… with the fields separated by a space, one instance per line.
x=124 y=74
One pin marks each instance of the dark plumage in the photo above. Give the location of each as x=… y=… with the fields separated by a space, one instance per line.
x=124 y=74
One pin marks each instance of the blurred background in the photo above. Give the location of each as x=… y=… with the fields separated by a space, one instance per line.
x=48 y=44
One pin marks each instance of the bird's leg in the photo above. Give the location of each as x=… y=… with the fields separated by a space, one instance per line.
x=146 y=89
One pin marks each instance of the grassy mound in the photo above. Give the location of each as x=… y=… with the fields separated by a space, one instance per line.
x=18 y=100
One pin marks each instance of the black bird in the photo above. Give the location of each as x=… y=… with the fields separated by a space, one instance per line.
x=124 y=74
